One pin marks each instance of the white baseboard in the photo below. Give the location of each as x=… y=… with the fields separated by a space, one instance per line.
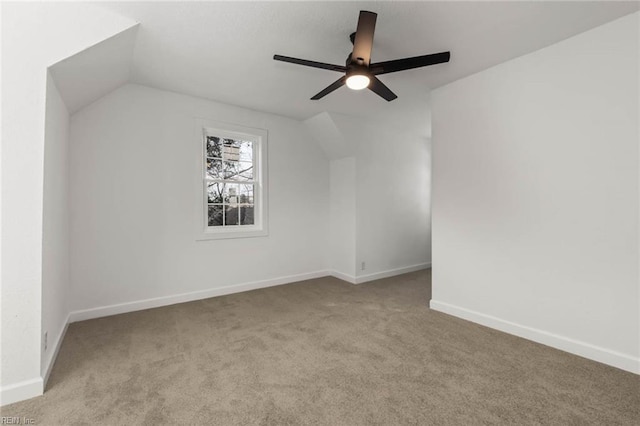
x=48 y=363
x=156 y=302
x=379 y=275
x=21 y=391
x=344 y=277
x=586 y=350
x=391 y=273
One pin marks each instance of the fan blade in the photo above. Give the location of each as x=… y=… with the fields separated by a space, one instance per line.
x=335 y=85
x=409 y=63
x=364 y=37
x=313 y=64
x=380 y=89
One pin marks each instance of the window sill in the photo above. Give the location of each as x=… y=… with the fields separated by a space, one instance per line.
x=223 y=234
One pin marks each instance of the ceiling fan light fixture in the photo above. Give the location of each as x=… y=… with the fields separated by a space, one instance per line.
x=358 y=81
x=359 y=72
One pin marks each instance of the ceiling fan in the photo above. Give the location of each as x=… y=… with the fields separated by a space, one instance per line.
x=359 y=73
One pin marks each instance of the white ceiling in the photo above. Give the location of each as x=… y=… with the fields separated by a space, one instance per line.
x=96 y=71
x=223 y=50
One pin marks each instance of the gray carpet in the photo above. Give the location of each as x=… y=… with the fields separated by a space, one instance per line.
x=321 y=352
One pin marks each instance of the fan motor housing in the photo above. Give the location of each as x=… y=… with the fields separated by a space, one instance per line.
x=356 y=69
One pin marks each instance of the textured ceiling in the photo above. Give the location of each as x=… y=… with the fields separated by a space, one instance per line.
x=223 y=50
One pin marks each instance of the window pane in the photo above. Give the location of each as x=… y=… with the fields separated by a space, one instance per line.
x=231 y=214
x=245 y=171
x=215 y=215
x=231 y=194
x=246 y=194
x=231 y=150
x=246 y=215
x=214 y=168
x=246 y=151
x=214 y=147
x=215 y=192
x=235 y=170
x=222 y=193
x=230 y=169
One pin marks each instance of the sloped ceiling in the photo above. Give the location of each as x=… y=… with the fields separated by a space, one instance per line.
x=324 y=130
x=96 y=71
x=223 y=50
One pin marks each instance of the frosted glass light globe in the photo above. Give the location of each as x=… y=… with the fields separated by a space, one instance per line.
x=357 y=82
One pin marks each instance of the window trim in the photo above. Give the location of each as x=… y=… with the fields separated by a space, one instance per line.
x=259 y=137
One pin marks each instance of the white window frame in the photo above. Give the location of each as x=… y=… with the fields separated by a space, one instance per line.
x=260 y=227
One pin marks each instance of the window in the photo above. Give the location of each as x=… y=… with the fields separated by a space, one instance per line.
x=232 y=181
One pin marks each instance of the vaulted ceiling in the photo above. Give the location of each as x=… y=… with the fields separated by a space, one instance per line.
x=223 y=50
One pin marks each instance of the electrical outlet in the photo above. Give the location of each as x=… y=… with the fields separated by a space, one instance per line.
x=46 y=335
x=362 y=266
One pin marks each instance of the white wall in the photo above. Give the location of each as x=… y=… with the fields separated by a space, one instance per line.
x=55 y=228
x=133 y=169
x=380 y=193
x=34 y=36
x=393 y=200
x=535 y=195
x=342 y=221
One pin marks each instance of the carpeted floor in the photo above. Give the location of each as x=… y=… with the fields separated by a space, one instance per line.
x=321 y=352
